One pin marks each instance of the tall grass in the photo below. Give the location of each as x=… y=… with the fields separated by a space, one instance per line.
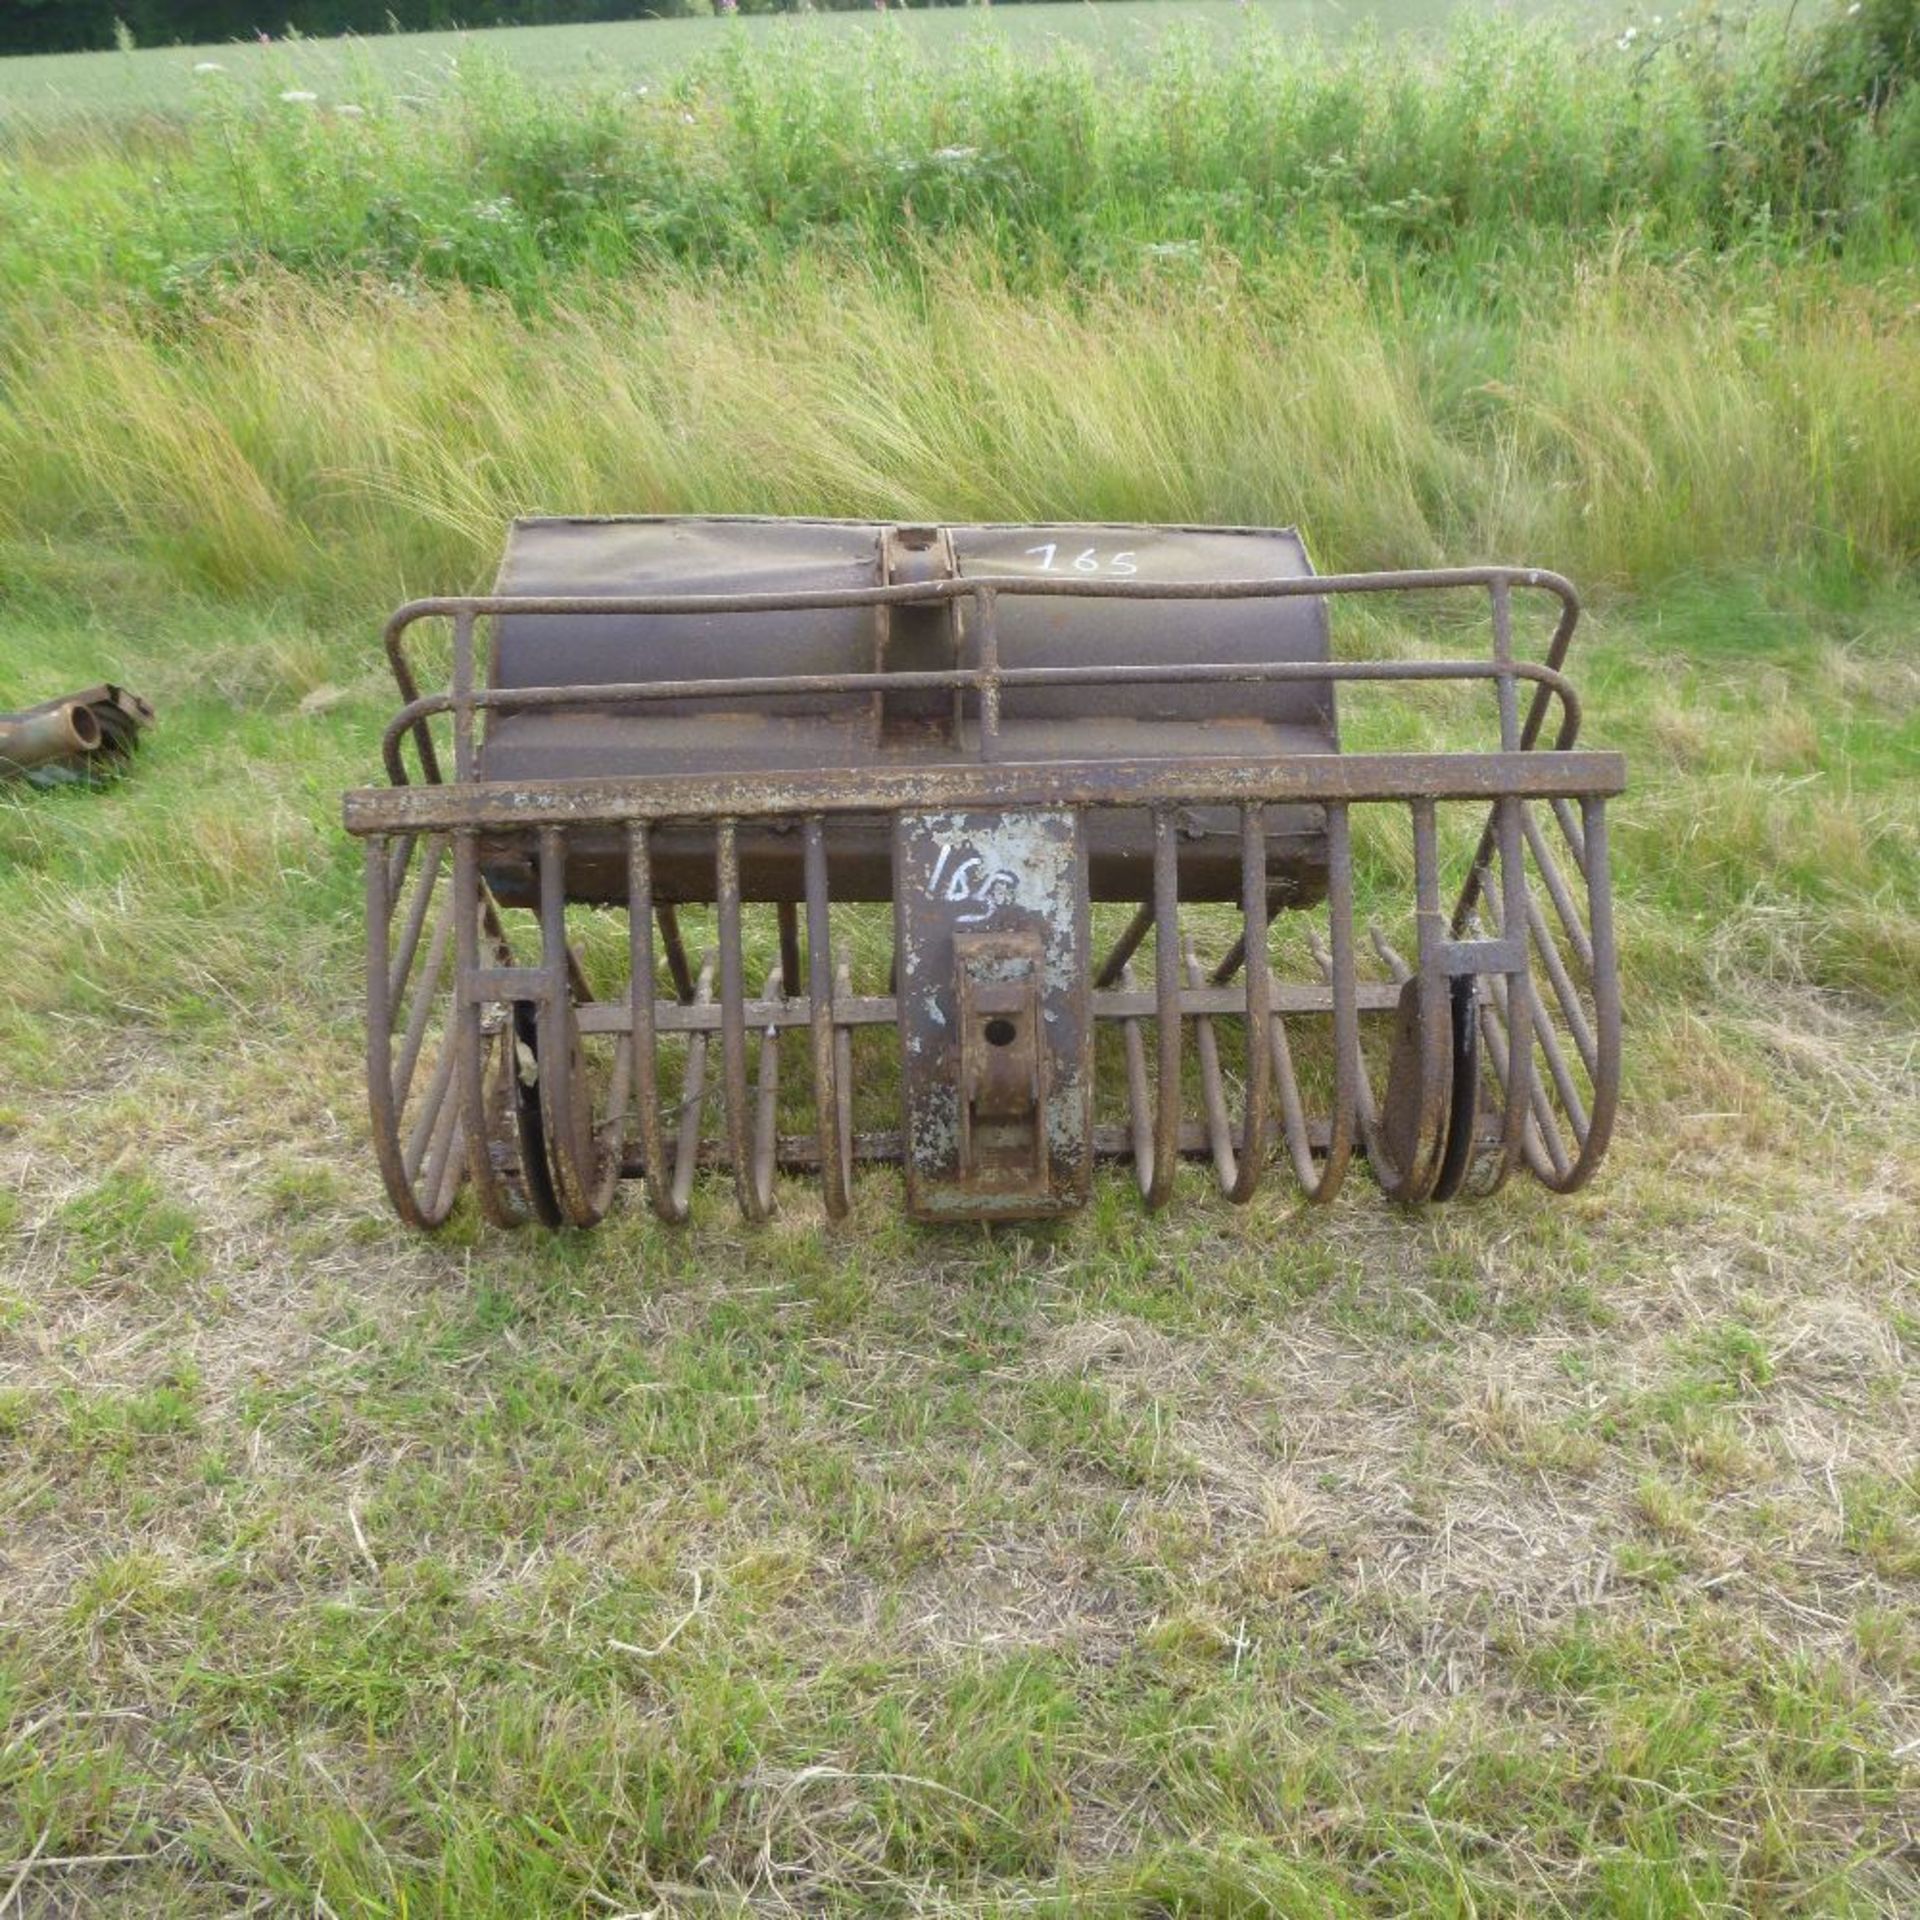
x=359 y=441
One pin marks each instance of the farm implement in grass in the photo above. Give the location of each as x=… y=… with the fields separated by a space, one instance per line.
x=992 y=851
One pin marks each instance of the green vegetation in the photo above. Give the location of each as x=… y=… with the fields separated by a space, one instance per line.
x=1543 y=1558
x=159 y=79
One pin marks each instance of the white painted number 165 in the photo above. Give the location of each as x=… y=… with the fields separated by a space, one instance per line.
x=1086 y=561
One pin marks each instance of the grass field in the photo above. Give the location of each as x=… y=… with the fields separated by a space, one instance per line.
x=162 y=79
x=1544 y=1558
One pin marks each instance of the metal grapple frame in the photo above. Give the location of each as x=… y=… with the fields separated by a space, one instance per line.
x=1013 y=735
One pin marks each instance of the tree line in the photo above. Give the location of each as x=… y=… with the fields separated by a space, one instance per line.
x=65 y=26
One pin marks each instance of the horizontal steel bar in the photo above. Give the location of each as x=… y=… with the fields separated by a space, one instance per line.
x=1307 y=777
x=505 y=983
x=970 y=586
x=880 y=1010
x=800 y=1152
x=986 y=681
x=626 y=693
x=1480 y=956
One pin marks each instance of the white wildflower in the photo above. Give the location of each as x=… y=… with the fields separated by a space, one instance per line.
x=956 y=156
x=208 y=66
x=299 y=97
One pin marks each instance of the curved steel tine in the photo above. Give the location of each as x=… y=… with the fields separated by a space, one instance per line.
x=1574 y=832
x=582 y=1184
x=446 y=1180
x=1139 y=1124
x=1346 y=1010
x=1213 y=1092
x=766 y=1101
x=421 y=1010
x=1123 y=950
x=1562 y=983
x=1556 y=885
x=1389 y=954
x=820 y=999
x=1516 y=1002
x=434 y=1103
x=1545 y=1152
x=432 y=859
x=693 y=1096
x=1366 y=1116
x=1166 y=996
x=733 y=1019
x=421 y=1204
x=496 y=1202
x=643 y=1037
x=843 y=1071
x=439 y=1141
x=1606 y=995
x=1293 y=1117
x=1540 y=1142
x=1572 y=1172
x=1253 y=940
x=676 y=951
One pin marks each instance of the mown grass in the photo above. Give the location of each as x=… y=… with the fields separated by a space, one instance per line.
x=61 y=88
x=1544 y=1558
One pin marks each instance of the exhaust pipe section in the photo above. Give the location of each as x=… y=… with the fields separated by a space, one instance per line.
x=77 y=736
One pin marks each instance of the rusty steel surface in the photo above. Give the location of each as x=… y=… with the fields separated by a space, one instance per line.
x=994 y=728
x=75 y=736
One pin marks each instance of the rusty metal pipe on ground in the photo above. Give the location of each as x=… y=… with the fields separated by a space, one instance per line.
x=93 y=731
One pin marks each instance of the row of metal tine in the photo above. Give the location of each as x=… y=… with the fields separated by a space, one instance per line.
x=490 y=1065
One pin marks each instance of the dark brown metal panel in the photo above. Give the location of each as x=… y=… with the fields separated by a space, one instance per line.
x=1125 y=633
x=582 y=558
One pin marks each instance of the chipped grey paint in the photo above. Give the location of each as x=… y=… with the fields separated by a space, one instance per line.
x=1017 y=873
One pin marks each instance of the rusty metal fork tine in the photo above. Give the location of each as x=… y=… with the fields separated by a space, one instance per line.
x=1253 y=938
x=1562 y=983
x=1123 y=950
x=766 y=1100
x=1575 y=831
x=432 y=859
x=643 y=1038
x=429 y=1137
x=733 y=1021
x=843 y=1071
x=488 y=1187
x=1346 y=1012
x=422 y=1008
x=1166 y=996
x=693 y=1096
x=1569 y=1172
x=1517 y=1000
x=1606 y=994
x=676 y=950
x=1293 y=1117
x=1556 y=885
x=1213 y=1092
x=1544 y=1150
x=826 y=1087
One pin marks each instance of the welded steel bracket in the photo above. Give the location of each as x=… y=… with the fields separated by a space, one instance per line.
x=996 y=1030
